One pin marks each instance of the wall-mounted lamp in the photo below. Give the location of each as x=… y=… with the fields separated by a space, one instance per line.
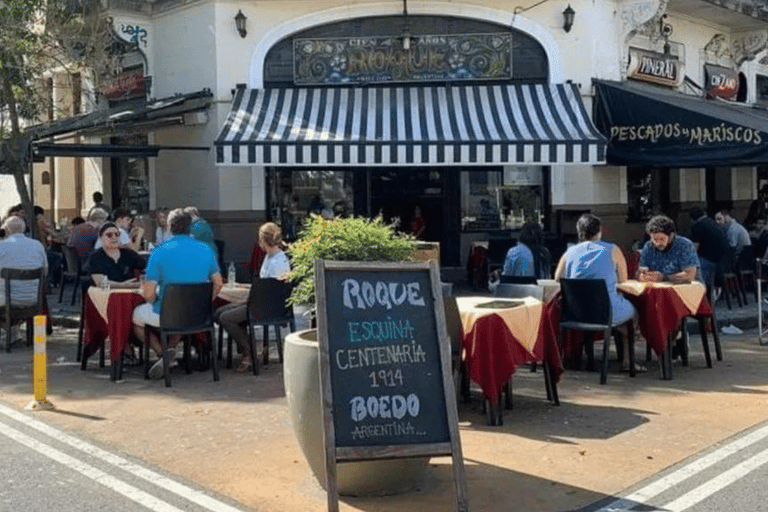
x=240 y=20
x=568 y=15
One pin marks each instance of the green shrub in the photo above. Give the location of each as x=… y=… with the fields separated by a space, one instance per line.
x=350 y=239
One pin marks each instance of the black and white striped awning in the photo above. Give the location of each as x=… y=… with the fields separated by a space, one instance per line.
x=530 y=124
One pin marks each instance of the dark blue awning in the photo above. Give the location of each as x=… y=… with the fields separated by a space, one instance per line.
x=655 y=127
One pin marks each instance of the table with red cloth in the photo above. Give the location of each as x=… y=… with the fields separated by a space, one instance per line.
x=497 y=340
x=662 y=307
x=109 y=313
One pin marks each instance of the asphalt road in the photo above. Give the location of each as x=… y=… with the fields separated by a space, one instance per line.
x=730 y=476
x=44 y=468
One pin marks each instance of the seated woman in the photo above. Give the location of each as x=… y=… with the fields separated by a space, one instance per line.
x=114 y=264
x=234 y=317
x=592 y=258
x=525 y=258
x=667 y=256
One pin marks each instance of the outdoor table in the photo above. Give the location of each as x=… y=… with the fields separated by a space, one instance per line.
x=498 y=339
x=109 y=313
x=662 y=308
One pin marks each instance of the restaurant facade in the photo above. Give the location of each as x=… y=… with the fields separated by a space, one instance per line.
x=480 y=115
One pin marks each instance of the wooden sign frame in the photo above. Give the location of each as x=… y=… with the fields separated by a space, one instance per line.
x=334 y=454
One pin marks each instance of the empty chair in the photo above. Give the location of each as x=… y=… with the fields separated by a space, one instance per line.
x=73 y=274
x=12 y=313
x=268 y=307
x=745 y=270
x=519 y=290
x=187 y=309
x=586 y=306
x=456 y=335
x=517 y=279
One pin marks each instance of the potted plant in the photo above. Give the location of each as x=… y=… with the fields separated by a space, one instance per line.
x=342 y=239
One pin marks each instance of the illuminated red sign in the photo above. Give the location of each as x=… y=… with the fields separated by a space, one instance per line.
x=127 y=85
x=721 y=82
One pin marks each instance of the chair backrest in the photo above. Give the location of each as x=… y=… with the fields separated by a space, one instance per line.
x=517 y=279
x=220 y=255
x=516 y=291
x=267 y=301
x=498 y=248
x=187 y=307
x=17 y=274
x=70 y=256
x=746 y=258
x=585 y=301
x=453 y=323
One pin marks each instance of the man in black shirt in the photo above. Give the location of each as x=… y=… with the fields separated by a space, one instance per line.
x=115 y=264
x=712 y=245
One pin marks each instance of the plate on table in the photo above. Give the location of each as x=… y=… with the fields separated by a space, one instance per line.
x=500 y=304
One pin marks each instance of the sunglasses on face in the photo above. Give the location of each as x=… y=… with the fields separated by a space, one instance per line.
x=111 y=234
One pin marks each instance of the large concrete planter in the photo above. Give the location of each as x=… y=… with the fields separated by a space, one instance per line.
x=302 y=391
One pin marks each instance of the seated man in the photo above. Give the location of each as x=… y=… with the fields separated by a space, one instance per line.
x=84 y=236
x=667 y=256
x=114 y=264
x=181 y=259
x=592 y=258
x=18 y=251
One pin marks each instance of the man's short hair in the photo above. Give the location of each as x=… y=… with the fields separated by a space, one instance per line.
x=697 y=213
x=119 y=213
x=192 y=211
x=588 y=226
x=97 y=215
x=660 y=224
x=179 y=221
x=13 y=225
x=97 y=197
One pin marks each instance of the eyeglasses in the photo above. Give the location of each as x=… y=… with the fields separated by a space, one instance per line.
x=112 y=234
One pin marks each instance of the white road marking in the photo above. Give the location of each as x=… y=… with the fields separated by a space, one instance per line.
x=674 y=478
x=97 y=475
x=718 y=483
x=150 y=476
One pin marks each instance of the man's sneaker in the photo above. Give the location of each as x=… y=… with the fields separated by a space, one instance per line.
x=156 y=371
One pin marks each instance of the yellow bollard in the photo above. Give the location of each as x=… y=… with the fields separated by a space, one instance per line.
x=40 y=367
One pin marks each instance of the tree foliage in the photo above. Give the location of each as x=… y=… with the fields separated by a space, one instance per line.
x=350 y=239
x=37 y=36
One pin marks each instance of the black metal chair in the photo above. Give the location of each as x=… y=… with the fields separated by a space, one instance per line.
x=456 y=334
x=268 y=307
x=187 y=308
x=220 y=256
x=745 y=270
x=75 y=273
x=586 y=306
x=10 y=313
x=517 y=279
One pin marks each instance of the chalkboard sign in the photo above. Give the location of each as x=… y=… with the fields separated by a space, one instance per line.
x=385 y=366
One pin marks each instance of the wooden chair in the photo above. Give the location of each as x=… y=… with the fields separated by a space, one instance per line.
x=268 y=307
x=586 y=306
x=187 y=309
x=10 y=313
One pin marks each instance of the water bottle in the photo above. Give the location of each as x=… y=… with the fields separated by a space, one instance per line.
x=231 y=275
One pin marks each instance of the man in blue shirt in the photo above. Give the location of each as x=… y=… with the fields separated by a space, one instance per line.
x=182 y=259
x=667 y=256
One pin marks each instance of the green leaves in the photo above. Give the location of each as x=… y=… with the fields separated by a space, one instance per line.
x=350 y=239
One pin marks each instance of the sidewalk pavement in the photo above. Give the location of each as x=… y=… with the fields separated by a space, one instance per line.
x=234 y=436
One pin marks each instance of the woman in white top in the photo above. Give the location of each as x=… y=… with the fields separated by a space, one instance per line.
x=275 y=263
x=234 y=317
x=162 y=233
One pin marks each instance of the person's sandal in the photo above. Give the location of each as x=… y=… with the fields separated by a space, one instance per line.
x=244 y=367
x=639 y=368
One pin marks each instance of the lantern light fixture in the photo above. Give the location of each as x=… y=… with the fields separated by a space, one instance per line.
x=240 y=20
x=568 y=15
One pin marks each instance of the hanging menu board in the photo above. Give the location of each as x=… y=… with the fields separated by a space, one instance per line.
x=385 y=366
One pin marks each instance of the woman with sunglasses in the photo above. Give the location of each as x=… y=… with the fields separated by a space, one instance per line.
x=117 y=265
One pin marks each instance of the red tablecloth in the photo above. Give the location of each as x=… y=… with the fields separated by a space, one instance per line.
x=119 y=326
x=661 y=313
x=493 y=353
